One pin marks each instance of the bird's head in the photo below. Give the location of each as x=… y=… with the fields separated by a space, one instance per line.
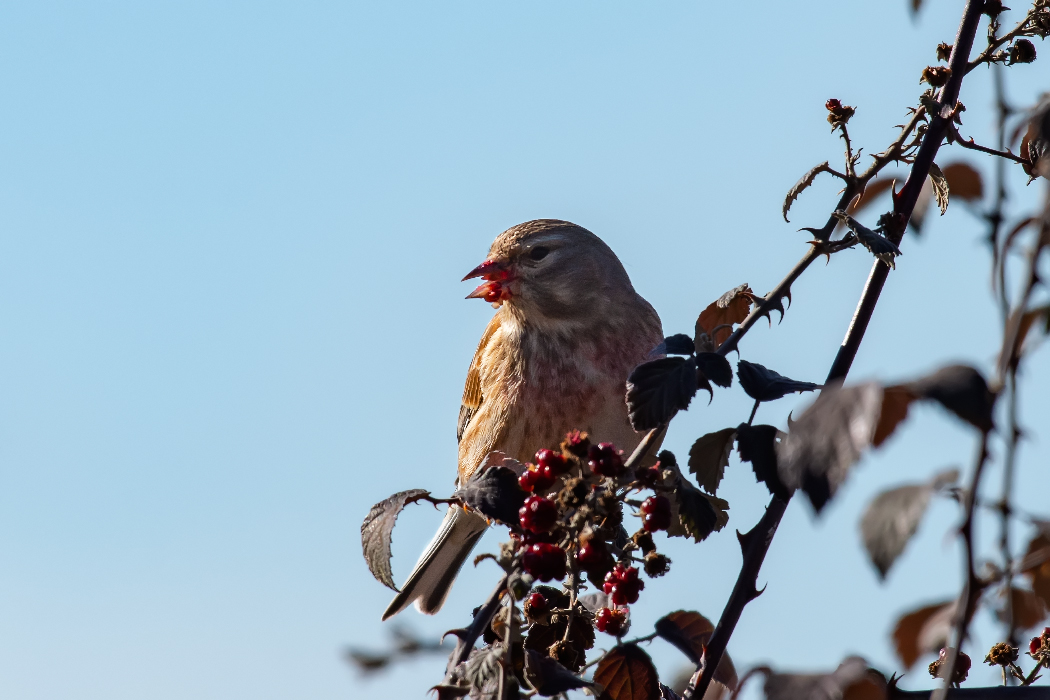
x=550 y=270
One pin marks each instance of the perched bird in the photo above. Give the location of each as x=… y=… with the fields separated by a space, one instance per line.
x=554 y=358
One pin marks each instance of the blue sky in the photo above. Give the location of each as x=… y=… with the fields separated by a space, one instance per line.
x=232 y=239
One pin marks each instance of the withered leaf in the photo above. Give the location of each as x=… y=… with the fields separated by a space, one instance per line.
x=827 y=439
x=729 y=309
x=871 y=192
x=1028 y=609
x=482 y=670
x=549 y=677
x=1040 y=573
x=716 y=368
x=964 y=181
x=890 y=520
x=757 y=445
x=895 y=403
x=803 y=182
x=699 y=513
x=494 y=493
x=709 y=456
x=881 y=247
x=922 y=631
x=658 y=389
x=377 y=531
x=763 y=384
x=962 y=390
x=689 y=632
x=852 y=680
x=940 y=187
x=627 y=673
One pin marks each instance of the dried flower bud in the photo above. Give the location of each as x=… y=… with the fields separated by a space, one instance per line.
x=962 y=667
x=1001 y=654
x=656 y=564
x=993 y=8
x=944 y=51
x=644 y=541
x=838 y=113
x=935 y=75
x=576 y=444
x=1022 y=51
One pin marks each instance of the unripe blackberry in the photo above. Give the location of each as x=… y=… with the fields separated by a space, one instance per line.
x=538 y=514
x=611 y=621
x=656 y=513
x=605 y=460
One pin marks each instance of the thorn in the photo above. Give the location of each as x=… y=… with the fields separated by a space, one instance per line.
x=460 y=634
x=788 y=295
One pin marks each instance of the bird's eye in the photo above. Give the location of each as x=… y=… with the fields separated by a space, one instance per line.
x=538 y=253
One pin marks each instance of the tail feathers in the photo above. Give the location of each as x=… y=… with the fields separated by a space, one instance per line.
x=432 y=578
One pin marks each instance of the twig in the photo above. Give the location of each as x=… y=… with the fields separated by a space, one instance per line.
x=465 y=638
x=994 y=43
x=973 y=586
x=756 y=543
x=969 y=143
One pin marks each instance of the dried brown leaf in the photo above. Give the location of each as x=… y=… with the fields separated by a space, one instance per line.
x=803 y=182
x=709 y=456
x=922 y=631
x=729 y=309
x=852 y=680
x=627 y=673
x=1040 y=573
x=689 y=632
x=940 y=187
x=889 y=522
x=1028 y=609
x=895 y=403
x=377 y=531
x=870 y=194
x=964 y=181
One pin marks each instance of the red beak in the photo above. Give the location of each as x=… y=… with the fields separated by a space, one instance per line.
x=493 y=290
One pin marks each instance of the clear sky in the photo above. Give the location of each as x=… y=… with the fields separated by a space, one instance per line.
x=231 y=239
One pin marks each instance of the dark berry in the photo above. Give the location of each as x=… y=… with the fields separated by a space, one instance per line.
x=605 y=460
x=538 y=514
x=544 y=561
x=832 y=104
x=537 y=604
x=610 y=621
x=552 y=461
x=649 y=476
x=527 y=481
x=1033 y=646
x=656 y=512
x=623 y=585
x=592 y=554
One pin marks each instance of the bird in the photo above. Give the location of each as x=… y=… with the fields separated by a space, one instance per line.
x=555 y=357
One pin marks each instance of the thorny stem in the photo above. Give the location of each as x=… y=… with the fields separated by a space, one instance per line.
x=465 y=638
x=1002 y=153
x=756 y=543
x=994 y=43
x=972 y=587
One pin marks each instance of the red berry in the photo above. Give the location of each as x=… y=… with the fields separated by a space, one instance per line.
x=553 y=461
x=832 y=104
x=592 y=554
x=605 y=460
x=537 y=604
x=538 y=514
x=537 y=479
x=623 y=585
x=527 y=481
x=1033 y=646
x=544 y=561
x=656 y=511
x=610 y=621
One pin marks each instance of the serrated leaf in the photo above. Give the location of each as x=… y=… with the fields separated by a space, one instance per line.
x=881 y=247
x=549 y=677
x=627 y=673
x=658 y=389
x=757 y=444
x=827 y=439
x=699 y=513
x=709 y=456
x=677 y=344
x=940 y=187
x=494 y=493
x=962 y=390
x=377 y=532
x=689 y=631
x=716 y=368
x=729 y=309
x=804 y=182
x=922 y=631
x=890 y=520
x=763 y=384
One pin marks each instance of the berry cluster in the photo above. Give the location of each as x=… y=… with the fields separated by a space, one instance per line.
x=538 y=514
x=1039 y=647
x=611 y=621
x=539 y=477
x=605 y=460
x=656 y=513
x=623 y=585
x=544 y=561
x=593 y=557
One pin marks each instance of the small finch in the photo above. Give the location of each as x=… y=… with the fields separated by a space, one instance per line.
x=554 y=358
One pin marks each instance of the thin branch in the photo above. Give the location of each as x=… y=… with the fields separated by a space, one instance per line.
x=465 y=638
x=973 y=586
x=988 y=55
x=756 y=543
x=969 y=143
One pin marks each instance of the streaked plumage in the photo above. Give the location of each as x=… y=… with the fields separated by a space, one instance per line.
x=555 y=357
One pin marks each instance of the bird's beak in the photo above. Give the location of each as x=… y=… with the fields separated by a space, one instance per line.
x=497 y=276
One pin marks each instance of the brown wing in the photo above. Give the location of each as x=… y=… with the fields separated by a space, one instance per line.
x=472 y=391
